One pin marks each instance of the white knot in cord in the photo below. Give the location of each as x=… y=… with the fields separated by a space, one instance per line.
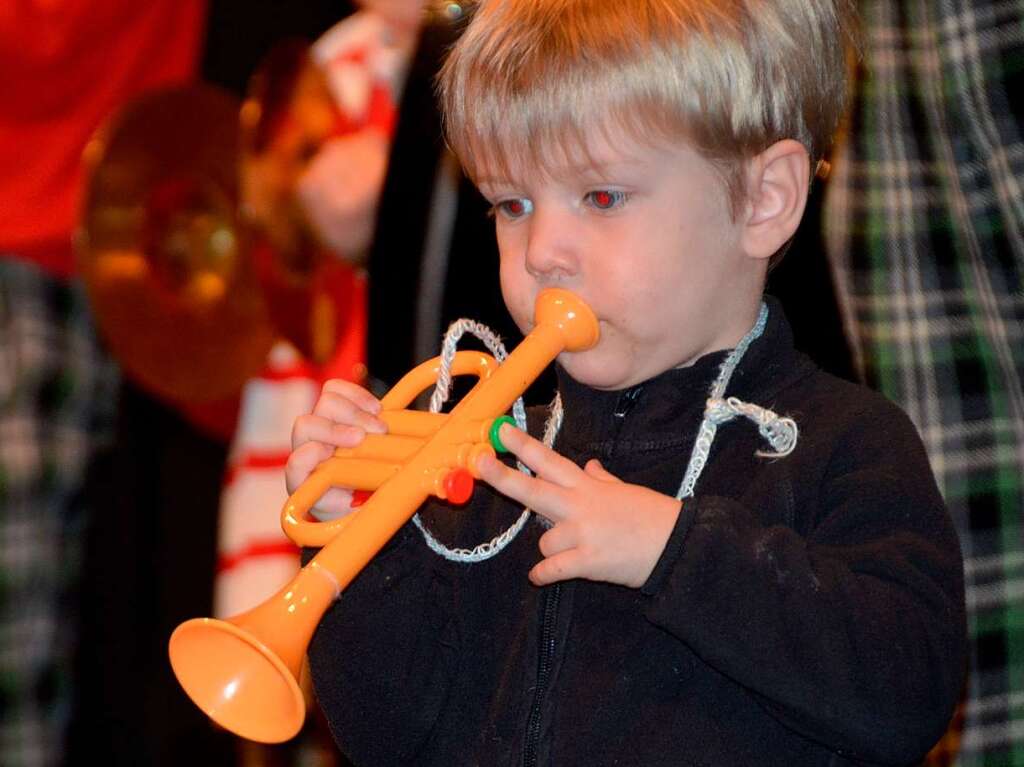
x=781 y=433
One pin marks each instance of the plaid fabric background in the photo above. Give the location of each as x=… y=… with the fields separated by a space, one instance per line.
x=57 y=398
x=924 y=218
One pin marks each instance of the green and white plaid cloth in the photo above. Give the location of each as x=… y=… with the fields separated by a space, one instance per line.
x=924 y=218
x=57 y=401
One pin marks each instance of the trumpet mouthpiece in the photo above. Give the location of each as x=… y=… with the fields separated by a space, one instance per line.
x=571 y=315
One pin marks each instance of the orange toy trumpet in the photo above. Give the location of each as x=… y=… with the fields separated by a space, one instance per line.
x=243 y=672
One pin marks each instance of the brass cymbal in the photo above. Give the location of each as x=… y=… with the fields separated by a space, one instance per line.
x=161 y=251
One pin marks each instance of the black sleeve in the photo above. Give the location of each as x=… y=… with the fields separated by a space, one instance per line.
x=851 y=632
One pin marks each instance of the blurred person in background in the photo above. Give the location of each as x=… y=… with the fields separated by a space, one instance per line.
x=311 y=186
x=151 y=543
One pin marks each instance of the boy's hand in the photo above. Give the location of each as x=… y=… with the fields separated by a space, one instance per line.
x=341 y=417
x=604 y=529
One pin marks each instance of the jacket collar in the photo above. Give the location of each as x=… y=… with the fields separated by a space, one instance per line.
x=667 y=408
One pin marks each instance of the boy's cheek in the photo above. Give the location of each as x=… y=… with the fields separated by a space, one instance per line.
x=519 y=302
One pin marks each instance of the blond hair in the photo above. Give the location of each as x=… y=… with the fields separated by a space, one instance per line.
x=528 y=78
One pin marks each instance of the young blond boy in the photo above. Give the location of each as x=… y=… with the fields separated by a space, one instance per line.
x=740 y=560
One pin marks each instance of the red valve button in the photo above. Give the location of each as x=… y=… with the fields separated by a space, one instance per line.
x=458 y=486
x=359 y=497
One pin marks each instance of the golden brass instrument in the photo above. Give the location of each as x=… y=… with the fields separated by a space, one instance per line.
x=243 y=671
x=192 y=243
x=161 y=251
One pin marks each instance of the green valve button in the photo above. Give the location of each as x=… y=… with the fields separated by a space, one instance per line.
x=495 y=427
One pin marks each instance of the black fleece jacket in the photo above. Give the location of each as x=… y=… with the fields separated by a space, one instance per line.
x=807 y=610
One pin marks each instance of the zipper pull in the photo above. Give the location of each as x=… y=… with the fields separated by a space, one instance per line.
x=627 y=400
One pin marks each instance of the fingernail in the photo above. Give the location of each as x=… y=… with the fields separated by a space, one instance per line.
x=354 y=432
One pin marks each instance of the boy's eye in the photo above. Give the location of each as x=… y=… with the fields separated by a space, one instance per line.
x=516 y=207
x=605 y=199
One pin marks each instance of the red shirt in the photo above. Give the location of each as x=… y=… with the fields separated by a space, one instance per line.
x=65 y=66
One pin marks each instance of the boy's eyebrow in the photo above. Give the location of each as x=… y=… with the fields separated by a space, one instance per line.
x=602 y=170
x=601 y=163
x=491 y=186
x=489 y=181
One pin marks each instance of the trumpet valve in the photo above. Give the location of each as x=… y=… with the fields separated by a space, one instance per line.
x=458 y=486
x=453 y=484
x=454 y=481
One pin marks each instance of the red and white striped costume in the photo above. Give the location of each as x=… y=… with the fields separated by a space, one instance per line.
x=365 y=70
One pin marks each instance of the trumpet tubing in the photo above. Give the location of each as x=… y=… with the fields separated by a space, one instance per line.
x=243 y=672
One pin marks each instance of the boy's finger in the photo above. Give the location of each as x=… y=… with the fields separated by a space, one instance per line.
x=333 y=504
x=302 y=461
x=313 y=428
x=597 y=471
x=563 y=566
x=362 y=397
x=343 y=410
x=539 y=495
x=557 y=539
x=541 y=459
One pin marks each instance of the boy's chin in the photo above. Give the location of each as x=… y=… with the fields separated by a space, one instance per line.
x=588 y=369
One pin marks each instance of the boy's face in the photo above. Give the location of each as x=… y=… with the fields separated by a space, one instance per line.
x=645 y=236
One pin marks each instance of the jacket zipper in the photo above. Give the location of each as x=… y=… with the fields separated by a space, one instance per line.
x=623 y=407
x=548 y=628
x=545 y=662
x=626 y=402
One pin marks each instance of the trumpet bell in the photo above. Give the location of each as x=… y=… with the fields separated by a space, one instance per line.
x=243 y=672
x=237 y=680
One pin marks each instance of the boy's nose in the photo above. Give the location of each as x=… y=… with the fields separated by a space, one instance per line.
x=551 y=250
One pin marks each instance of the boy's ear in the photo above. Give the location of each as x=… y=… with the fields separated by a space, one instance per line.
x=777 y=183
